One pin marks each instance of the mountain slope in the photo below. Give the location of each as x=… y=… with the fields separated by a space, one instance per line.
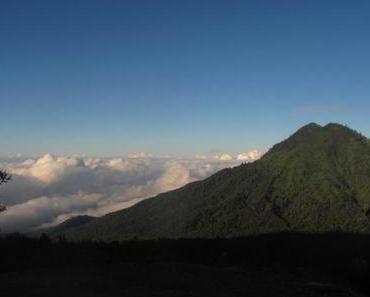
x=317 y=180
x=74 y=222
x=71 y=223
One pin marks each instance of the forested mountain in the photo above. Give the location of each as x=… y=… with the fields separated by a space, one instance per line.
x=317 y=180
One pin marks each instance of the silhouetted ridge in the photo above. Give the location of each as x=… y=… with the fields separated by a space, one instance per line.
x=314 y=134
x=303 y=134
x=309 y=128
x=74 y=222
x=317 y=180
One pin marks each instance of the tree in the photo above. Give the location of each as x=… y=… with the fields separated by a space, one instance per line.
x=4 y=178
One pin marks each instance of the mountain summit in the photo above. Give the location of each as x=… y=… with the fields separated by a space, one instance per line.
x=317 y=180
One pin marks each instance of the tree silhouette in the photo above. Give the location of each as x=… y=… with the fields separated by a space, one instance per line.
x=4 y=177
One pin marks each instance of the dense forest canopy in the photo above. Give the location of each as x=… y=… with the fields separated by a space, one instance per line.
x=315 y=181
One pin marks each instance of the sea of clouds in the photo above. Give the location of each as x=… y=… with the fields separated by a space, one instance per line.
x=48 y=190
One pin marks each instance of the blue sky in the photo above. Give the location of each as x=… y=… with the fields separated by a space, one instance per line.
x=178 y=77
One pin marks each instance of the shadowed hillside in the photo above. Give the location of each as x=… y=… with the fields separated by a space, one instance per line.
x=269 y=265
x=317 y=180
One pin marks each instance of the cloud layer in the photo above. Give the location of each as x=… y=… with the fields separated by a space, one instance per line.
x=48 y=190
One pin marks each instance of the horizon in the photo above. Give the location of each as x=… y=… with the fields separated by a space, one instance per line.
x=215 y=155
x=50 y=189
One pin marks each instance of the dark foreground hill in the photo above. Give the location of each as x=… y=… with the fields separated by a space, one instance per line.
x=273 y=265
x=317 y=180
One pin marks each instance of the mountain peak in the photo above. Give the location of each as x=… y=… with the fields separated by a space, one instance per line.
x=313 y=135
x=329 y=127
x=337 y=127
x=317 y=180
x=311 y=125
x=301 y=135
x=309 y=128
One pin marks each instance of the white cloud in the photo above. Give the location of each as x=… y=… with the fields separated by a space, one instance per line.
x=249 y=156
x=175 y=175
x=225 y=157
x=43 y=209
x=139 y=155
x=47 y=190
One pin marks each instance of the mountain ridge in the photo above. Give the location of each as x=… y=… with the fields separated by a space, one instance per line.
x=317 y=180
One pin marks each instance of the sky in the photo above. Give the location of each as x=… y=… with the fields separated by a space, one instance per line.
x=108 y=78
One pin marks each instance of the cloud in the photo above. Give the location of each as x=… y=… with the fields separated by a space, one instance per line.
x=249 y=156
x=225 y=157
x=50 y=189
x=36 y=211
x=221 y=157
x=139 y=155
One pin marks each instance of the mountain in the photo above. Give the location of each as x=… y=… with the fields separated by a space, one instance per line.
x=74 y=222
x=317 y=180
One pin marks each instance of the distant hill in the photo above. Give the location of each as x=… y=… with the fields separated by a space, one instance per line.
x=74 y=222
x=317 y=180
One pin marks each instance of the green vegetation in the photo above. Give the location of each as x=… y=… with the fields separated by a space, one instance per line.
x=318 y=180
